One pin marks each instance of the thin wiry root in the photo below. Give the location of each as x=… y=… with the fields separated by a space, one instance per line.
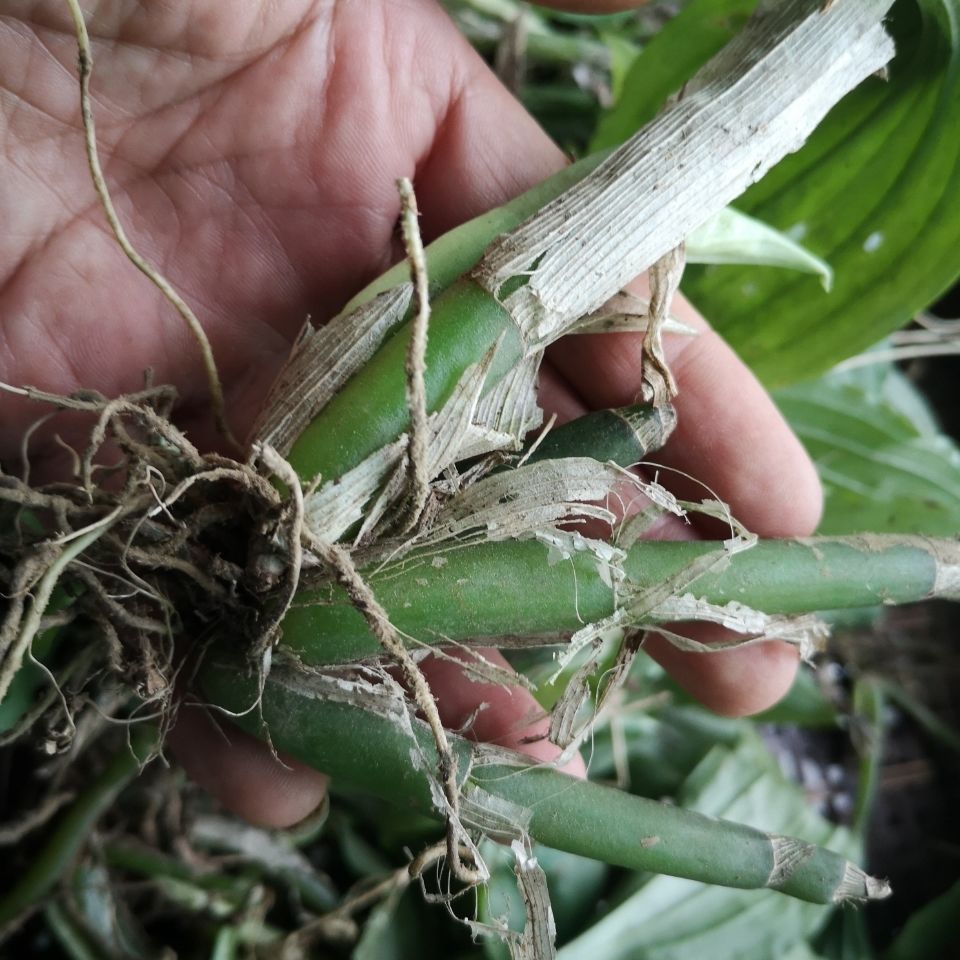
x=166 y=542
x=418 y=475
x=342 y=566
x=339 y=925
x=293 y=522
x=148 y=270
x=12 y=833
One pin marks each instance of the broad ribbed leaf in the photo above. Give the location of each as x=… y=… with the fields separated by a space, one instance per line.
x=883 y=464
x=874 y=194
x=932 y=931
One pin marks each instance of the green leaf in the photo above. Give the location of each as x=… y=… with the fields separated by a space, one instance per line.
x=804 y=706
x=394 y=930
x=845 y=937
x=931 y=932
x=670 y=919
x=731 y=237
x=672 y=57
x=871 y=193
x=623 y=55
x=883 y=464
x=359 y=855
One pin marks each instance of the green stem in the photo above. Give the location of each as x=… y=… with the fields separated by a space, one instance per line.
x=371 y=751
x=370 y=411
x=71 y=832
x=144 y=861
x=501 y=589
x=69 y=934
x=921 y=714
x=225 y=945
x=465 y=323
x=544 y=44
x=625 y=435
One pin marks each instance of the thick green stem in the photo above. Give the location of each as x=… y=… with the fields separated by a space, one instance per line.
x=371 y=751
x=518 y=589
x=68 y=933
x=71 y=832
x=465 y=323
x=625 y=435
x=371 y=411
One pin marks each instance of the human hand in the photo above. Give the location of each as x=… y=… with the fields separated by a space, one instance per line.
x=252 y=151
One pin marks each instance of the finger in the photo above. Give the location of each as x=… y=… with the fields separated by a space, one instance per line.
x=242 y=773
x=507 y=716
x=486 y=148
x=556 y=397
x=736 y=682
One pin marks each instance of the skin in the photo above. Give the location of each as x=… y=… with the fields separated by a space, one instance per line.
x=252 y=150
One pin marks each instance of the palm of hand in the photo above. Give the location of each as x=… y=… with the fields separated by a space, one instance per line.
x=252 y=159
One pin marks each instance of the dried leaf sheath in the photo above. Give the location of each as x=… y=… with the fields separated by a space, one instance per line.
x=322 y=361
x=755 y=102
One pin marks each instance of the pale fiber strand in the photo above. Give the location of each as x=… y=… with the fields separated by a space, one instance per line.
x=415 y=367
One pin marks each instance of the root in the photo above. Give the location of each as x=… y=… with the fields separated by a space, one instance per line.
x=294 y=524
x=362 y=597
x=12 y=833
x=161 y=550
x=418 y=474
x=12 y=658
x=187 y=540
x=339 y=925
x=157 y=279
